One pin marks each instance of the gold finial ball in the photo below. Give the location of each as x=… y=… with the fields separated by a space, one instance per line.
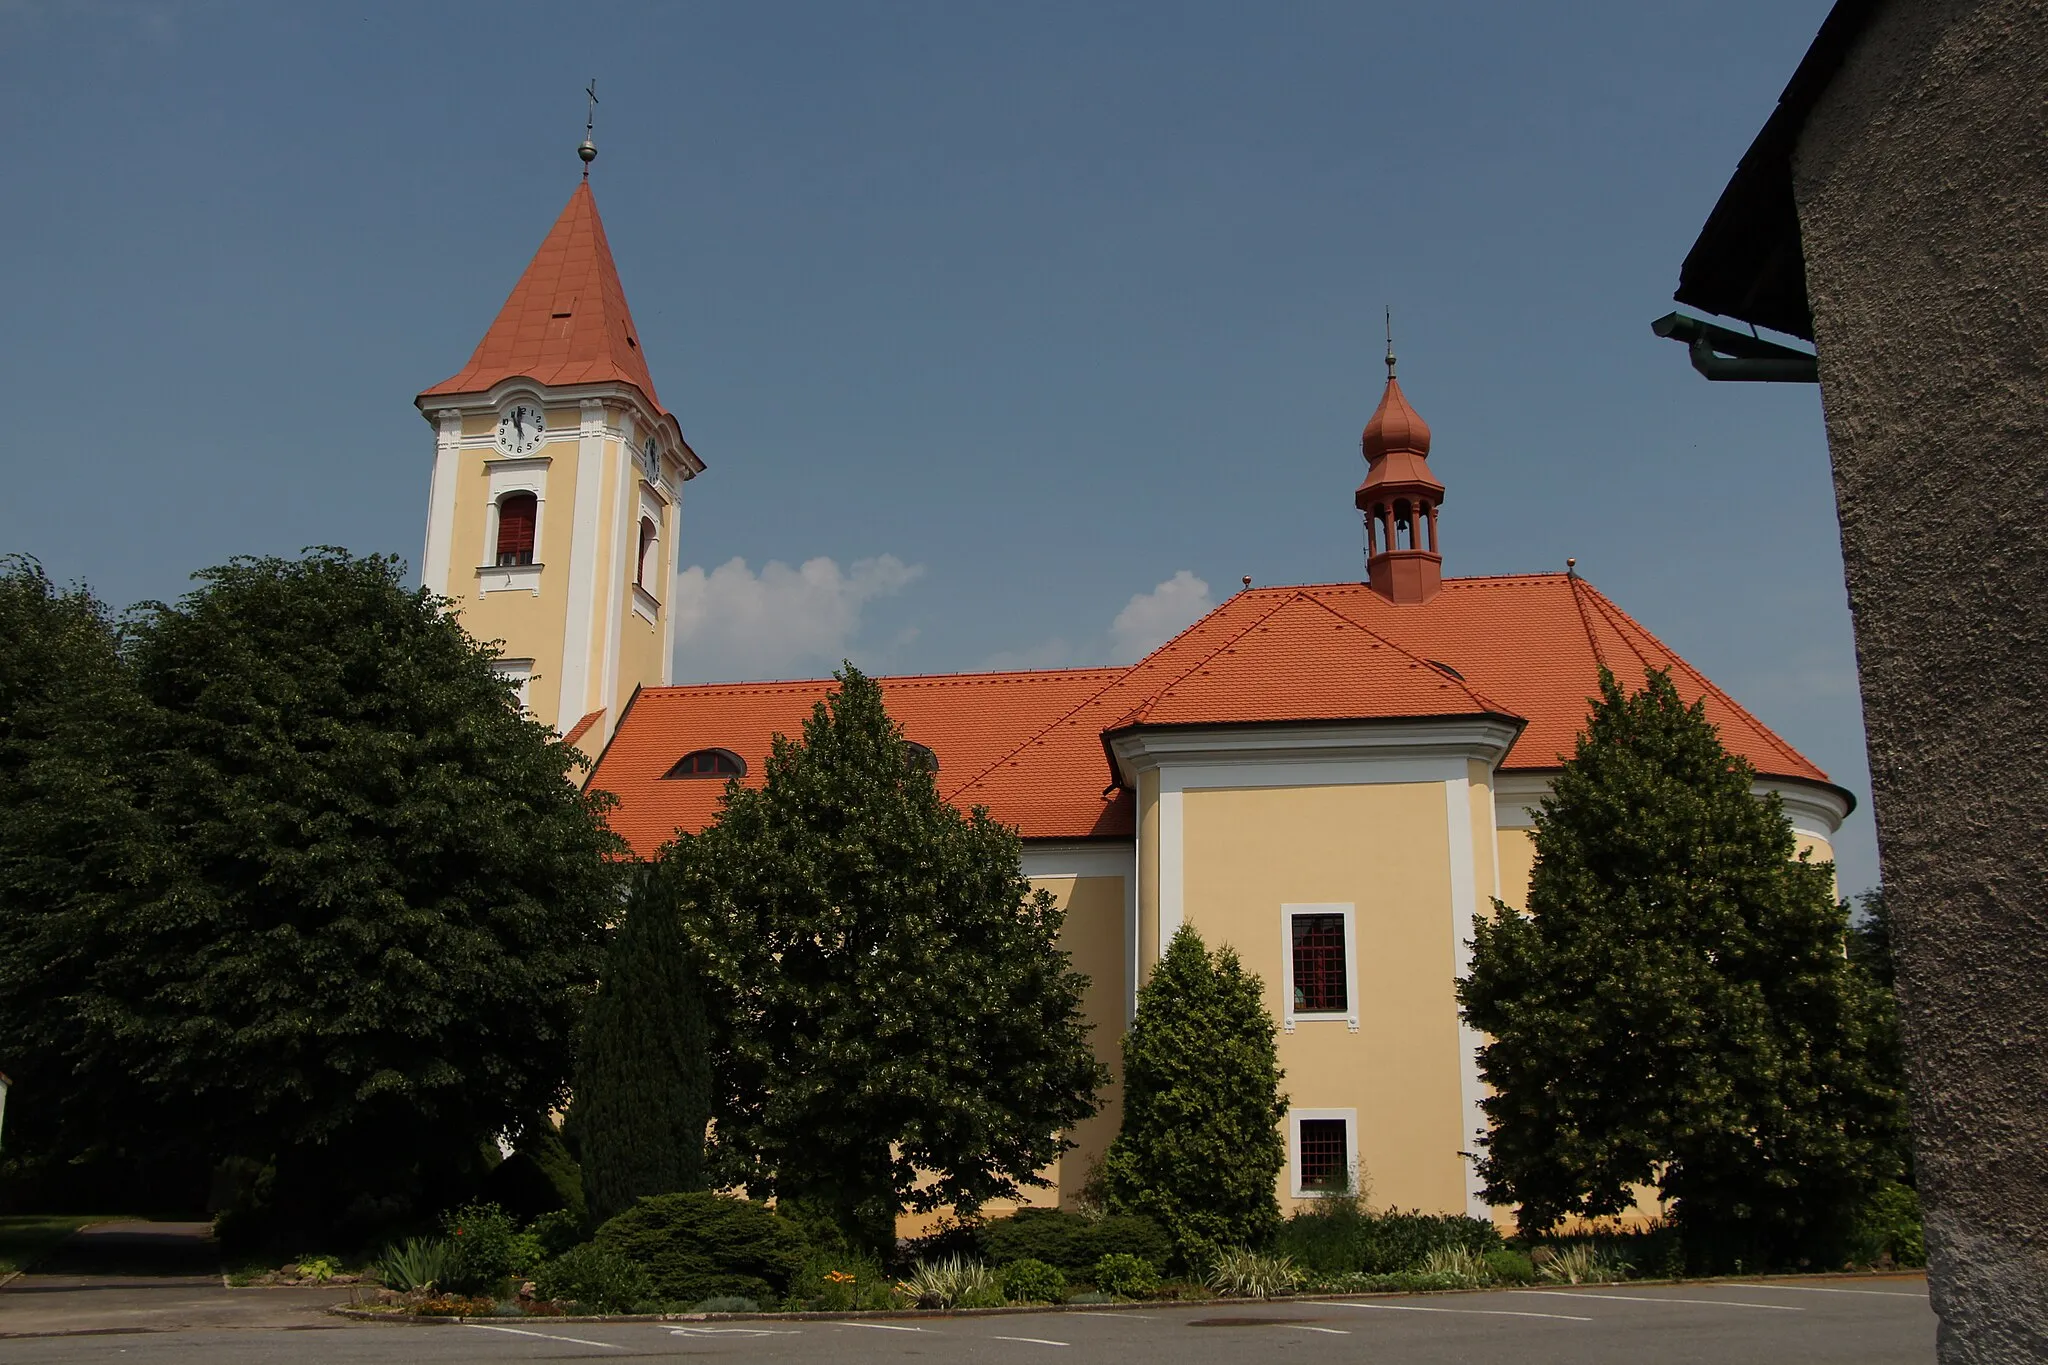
x=588 y=151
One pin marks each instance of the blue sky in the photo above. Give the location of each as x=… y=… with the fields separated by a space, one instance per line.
x=1011 y=333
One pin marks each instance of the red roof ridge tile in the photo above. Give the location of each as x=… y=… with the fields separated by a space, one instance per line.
x=768 y=685
x=1622 y=623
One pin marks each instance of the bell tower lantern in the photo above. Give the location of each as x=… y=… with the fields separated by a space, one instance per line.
x=1400 y=499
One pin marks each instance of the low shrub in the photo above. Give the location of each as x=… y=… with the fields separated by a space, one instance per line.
x=1073 y=1242
x=451 y=1306
x=554 y=1233
x=1125 y=1276
x=699 y=1246
x=726 y=1303
x=954 y=1282
x=1241 y=1274
x=949 y=1237
x=317 y=1269
x=1336 y=1235
x=418 y=1263
x=488 y=1248
x=1506 y=1266
x=1888 y=1232
x=1029 y=1281
x=598 y=1278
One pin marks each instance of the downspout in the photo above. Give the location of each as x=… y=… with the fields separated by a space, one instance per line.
x=1724 y=355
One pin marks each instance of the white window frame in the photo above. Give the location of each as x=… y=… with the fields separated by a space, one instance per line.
x=506 y=477
x=519 y=672
x=1294 y=1121
x=1349 y=1014
x=646 y=601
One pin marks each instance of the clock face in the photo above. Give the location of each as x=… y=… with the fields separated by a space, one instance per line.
x=519 y=430
x=653 y=460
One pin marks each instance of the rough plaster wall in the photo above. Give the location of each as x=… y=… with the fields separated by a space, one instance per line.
x=1922 y=181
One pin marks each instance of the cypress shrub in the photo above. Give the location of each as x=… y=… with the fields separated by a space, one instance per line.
x=643 y=1082
x=701 y=1246
x=1200 y=1148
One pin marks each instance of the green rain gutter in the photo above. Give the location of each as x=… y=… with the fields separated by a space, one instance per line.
x=1720 y=353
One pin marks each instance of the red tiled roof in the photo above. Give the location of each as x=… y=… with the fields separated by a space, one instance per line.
x=566 y=321
x=582 y=727
x=1029 y=745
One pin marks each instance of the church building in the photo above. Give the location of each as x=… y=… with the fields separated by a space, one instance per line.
x=1333 y=778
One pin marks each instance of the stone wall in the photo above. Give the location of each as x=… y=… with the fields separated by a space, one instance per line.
x=1922 y=183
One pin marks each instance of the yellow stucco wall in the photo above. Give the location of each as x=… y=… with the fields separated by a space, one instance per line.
x=531 y=626
x=1384 y=849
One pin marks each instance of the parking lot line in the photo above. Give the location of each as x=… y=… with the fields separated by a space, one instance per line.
x=546 y=1336
x=1822 y=1289
x=1035 y=1341
x=1659 y=1298
x=1304 y=1327
x=882 y=1326
x=1476 y=1312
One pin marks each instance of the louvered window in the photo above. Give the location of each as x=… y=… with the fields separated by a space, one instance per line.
x=517 y=513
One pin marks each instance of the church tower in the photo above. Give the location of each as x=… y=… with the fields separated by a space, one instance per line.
x=554 y=509
x=1400 y=498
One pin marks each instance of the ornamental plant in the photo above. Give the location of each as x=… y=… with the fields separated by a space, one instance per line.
x=1200 y=1146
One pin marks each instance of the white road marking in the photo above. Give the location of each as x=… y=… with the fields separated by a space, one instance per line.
x=1658 y=1298
x=1035 y=1341
x=1332 y=1331
x=1817 y=1289
x=545 y=1336
x=1478 y=1312
x=732 y=1331
x=1120 y=1317
x=882 y=1326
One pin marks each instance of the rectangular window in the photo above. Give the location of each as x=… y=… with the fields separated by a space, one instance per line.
x=1324 y=1156
x=1319 y=977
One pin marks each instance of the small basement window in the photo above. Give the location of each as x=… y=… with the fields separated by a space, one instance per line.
x=709 y=763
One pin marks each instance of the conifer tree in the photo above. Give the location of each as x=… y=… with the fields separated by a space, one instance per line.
x=894 y=1023
x=1677 y=1007
x=643 y=1066
x=1200 y=1147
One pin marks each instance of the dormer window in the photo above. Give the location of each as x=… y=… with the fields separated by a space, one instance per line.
x=709 y=763
x=919 y=757
x=517 y=514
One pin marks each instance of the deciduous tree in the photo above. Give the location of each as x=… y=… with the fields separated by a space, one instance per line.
x=1677 y=1007
x=894 y=1023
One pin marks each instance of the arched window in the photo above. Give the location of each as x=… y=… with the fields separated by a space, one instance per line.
x=917 y=756
x=648 y=533
x=709 y=763
x=1404 y=526
x=517 y=513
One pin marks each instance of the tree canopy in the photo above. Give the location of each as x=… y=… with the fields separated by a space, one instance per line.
x=351 y=902
x=1677 y=1008
x=894 y=1023
x=1200 y=1146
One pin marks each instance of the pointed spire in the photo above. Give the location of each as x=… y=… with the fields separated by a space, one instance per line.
x=1400 y=498
x=566 y=321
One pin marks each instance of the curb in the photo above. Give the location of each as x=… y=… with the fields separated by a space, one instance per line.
x=1013 y=1310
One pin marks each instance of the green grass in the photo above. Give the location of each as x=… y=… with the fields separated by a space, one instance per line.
x=24 y=1237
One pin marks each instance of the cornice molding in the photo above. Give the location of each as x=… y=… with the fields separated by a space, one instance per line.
x=1480 y=739
x=615 y=394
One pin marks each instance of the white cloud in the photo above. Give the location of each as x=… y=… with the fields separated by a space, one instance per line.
x=1152 y=618
x=734 y=623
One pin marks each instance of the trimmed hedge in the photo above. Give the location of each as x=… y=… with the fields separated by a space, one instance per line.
x=1339 y=1238
x=1073 y=1242
x=700 y=1246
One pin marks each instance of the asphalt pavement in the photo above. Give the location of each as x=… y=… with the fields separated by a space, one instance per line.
x=1865 y=1321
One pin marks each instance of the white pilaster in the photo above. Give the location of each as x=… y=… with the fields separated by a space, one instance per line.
x=584 y=604
x=441 y=502
x=615 y=593
x=1464 y=909
x=671 y=558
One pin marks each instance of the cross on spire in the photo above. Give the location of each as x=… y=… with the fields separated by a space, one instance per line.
x=1390 y=341
x=588 y=151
